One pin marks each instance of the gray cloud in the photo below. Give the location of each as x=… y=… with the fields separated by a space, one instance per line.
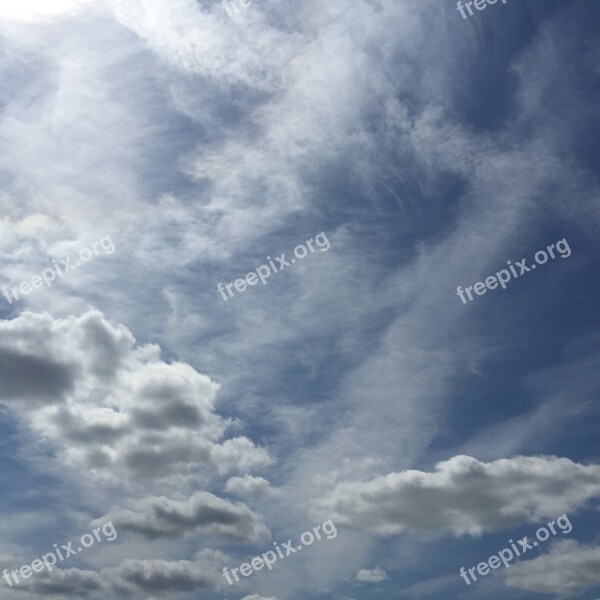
x=37 y=379
x=131 y=578
x=162 y=576
x=67 y=582
x=202 y=513
x=114 y=409
x=464 y=496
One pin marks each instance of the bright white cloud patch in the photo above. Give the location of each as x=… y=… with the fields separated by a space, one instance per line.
x=371 y=575
x=464 y=496
x=36 y=10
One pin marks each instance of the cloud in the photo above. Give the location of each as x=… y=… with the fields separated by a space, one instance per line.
x=68 y=582
x=376 y=575
x=132 y=577
x=464 y=496
x=249 y=486
x=37 y=10
x=569 y=568
x=162 y=576
x=257 y=597
x=113 y=409
x=27 y=377
x=207 y=42
x=202 y=513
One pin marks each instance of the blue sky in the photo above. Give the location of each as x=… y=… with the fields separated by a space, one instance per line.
x=354 y=385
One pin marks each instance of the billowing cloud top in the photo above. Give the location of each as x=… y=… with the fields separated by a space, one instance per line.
x=113 y=409
x=156 y=517
x=464 y=496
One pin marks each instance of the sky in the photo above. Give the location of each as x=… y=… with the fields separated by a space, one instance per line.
x=314 y=282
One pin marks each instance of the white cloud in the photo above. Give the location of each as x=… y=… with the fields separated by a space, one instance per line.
x=376 y=575
x=249 y=486
x=207 y=42
x=569 y=568
x=114 y=410
x=38 y=10
x=464 y=496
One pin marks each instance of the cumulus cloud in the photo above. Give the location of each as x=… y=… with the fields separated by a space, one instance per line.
x=464 y=496
x=156 y=517
x=132 y=577
x=113 y=408
x=68 y=582
x=568 y=568
x=162 y=576
x=376 y=575
x=249 y=486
